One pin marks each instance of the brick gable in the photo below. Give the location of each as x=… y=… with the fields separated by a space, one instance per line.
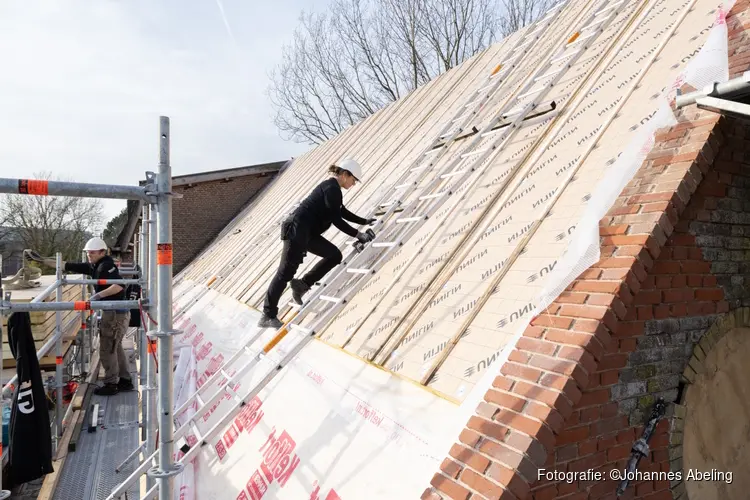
x=205 y=209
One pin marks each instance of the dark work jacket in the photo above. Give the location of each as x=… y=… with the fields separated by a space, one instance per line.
x=105 y=269
x=30 y=450
x=133 y=292
x=322 y=207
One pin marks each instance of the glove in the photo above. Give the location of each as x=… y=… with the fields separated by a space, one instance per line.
x=365 y=237
x=371 y=221
x=95 y=297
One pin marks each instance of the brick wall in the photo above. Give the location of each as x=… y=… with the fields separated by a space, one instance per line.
x=205 y=209
x=586 y=373
x=697 y=277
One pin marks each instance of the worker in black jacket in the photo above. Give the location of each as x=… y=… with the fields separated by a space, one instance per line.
x=114 y=323
x=302 y=232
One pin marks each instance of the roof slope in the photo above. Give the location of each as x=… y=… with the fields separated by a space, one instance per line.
x=471 y=279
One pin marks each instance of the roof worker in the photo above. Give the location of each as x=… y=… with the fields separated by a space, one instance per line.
x=302 y=232
x=114 y=323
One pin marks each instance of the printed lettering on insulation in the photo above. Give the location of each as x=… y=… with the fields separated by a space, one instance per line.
x=279 y=462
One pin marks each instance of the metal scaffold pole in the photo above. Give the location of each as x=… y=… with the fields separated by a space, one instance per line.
x=150 y=366
x=142 y=340
x=165 y=470
x=83 y=331
x=58 y=353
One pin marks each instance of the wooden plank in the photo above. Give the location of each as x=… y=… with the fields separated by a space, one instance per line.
x=48 y=360
x=88 y=390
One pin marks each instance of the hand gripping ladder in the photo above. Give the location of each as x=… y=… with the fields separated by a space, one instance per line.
x=228 y=381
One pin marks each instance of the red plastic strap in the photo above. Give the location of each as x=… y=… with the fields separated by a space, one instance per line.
x=31 y=186
x=58 y=360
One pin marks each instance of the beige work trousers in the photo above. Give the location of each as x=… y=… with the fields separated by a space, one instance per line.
x=114 y=326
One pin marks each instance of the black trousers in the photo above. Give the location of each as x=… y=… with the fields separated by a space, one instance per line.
x=296 y=245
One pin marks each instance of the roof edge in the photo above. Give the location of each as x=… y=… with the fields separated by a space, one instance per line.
x=225 y=174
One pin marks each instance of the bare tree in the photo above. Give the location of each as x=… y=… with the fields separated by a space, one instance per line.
x=50 y=224
x=347 y=63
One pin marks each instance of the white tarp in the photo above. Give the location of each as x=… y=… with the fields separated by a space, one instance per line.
x=328 y=425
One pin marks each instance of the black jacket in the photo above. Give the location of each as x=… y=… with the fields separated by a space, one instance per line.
x=325 y=206
x=105 y=269
x=30 y=450
x=133 y=292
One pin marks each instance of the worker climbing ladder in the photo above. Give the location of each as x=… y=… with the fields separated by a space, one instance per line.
x=358 y=266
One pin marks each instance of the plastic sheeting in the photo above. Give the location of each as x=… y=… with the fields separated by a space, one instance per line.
x=327 y=425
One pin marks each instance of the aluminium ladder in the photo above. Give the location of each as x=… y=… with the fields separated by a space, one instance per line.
x=228 y=381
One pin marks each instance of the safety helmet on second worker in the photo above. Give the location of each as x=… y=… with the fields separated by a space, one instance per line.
x=95 y=244
x=353 y=168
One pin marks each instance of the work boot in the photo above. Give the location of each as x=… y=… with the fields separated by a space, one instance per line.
x=266 y=322
x=107 y=390
x=125 y=384
x=299 y=288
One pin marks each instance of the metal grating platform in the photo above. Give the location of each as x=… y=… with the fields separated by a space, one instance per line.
x=89 y=472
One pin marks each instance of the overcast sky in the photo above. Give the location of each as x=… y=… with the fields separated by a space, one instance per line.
x=82 y=85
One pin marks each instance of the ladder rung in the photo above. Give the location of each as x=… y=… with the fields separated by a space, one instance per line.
x=578 y=40
x=550 y=73
x=541 y=27
x=435 y=150
x=416 y=169
x=200 y=400
x=532 y=92
x=609 y=7
x=328 y=298
x=404 y=186
x=506 y=63
x=407 y=220
x=431 y=196
x=302 y=329
x=195 y=429
x=383 y=205
x=451 y=174
x=566 y=55
x=359 y=271
x=593 y=24
x=473 y=153
x=384 y=244
x=524 y=45
x=471 y=103
x=460 y=117
x=486 y=87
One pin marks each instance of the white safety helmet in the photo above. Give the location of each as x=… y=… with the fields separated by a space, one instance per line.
x=353 y=168
x=95 y=244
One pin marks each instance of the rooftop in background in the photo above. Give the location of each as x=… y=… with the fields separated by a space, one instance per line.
x=216 y=203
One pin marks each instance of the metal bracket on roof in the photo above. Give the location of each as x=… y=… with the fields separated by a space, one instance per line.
x=735 y=88
x=549 y=108
x=723 y=106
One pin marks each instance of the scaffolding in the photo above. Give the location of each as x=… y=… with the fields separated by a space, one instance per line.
x=154 y=337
